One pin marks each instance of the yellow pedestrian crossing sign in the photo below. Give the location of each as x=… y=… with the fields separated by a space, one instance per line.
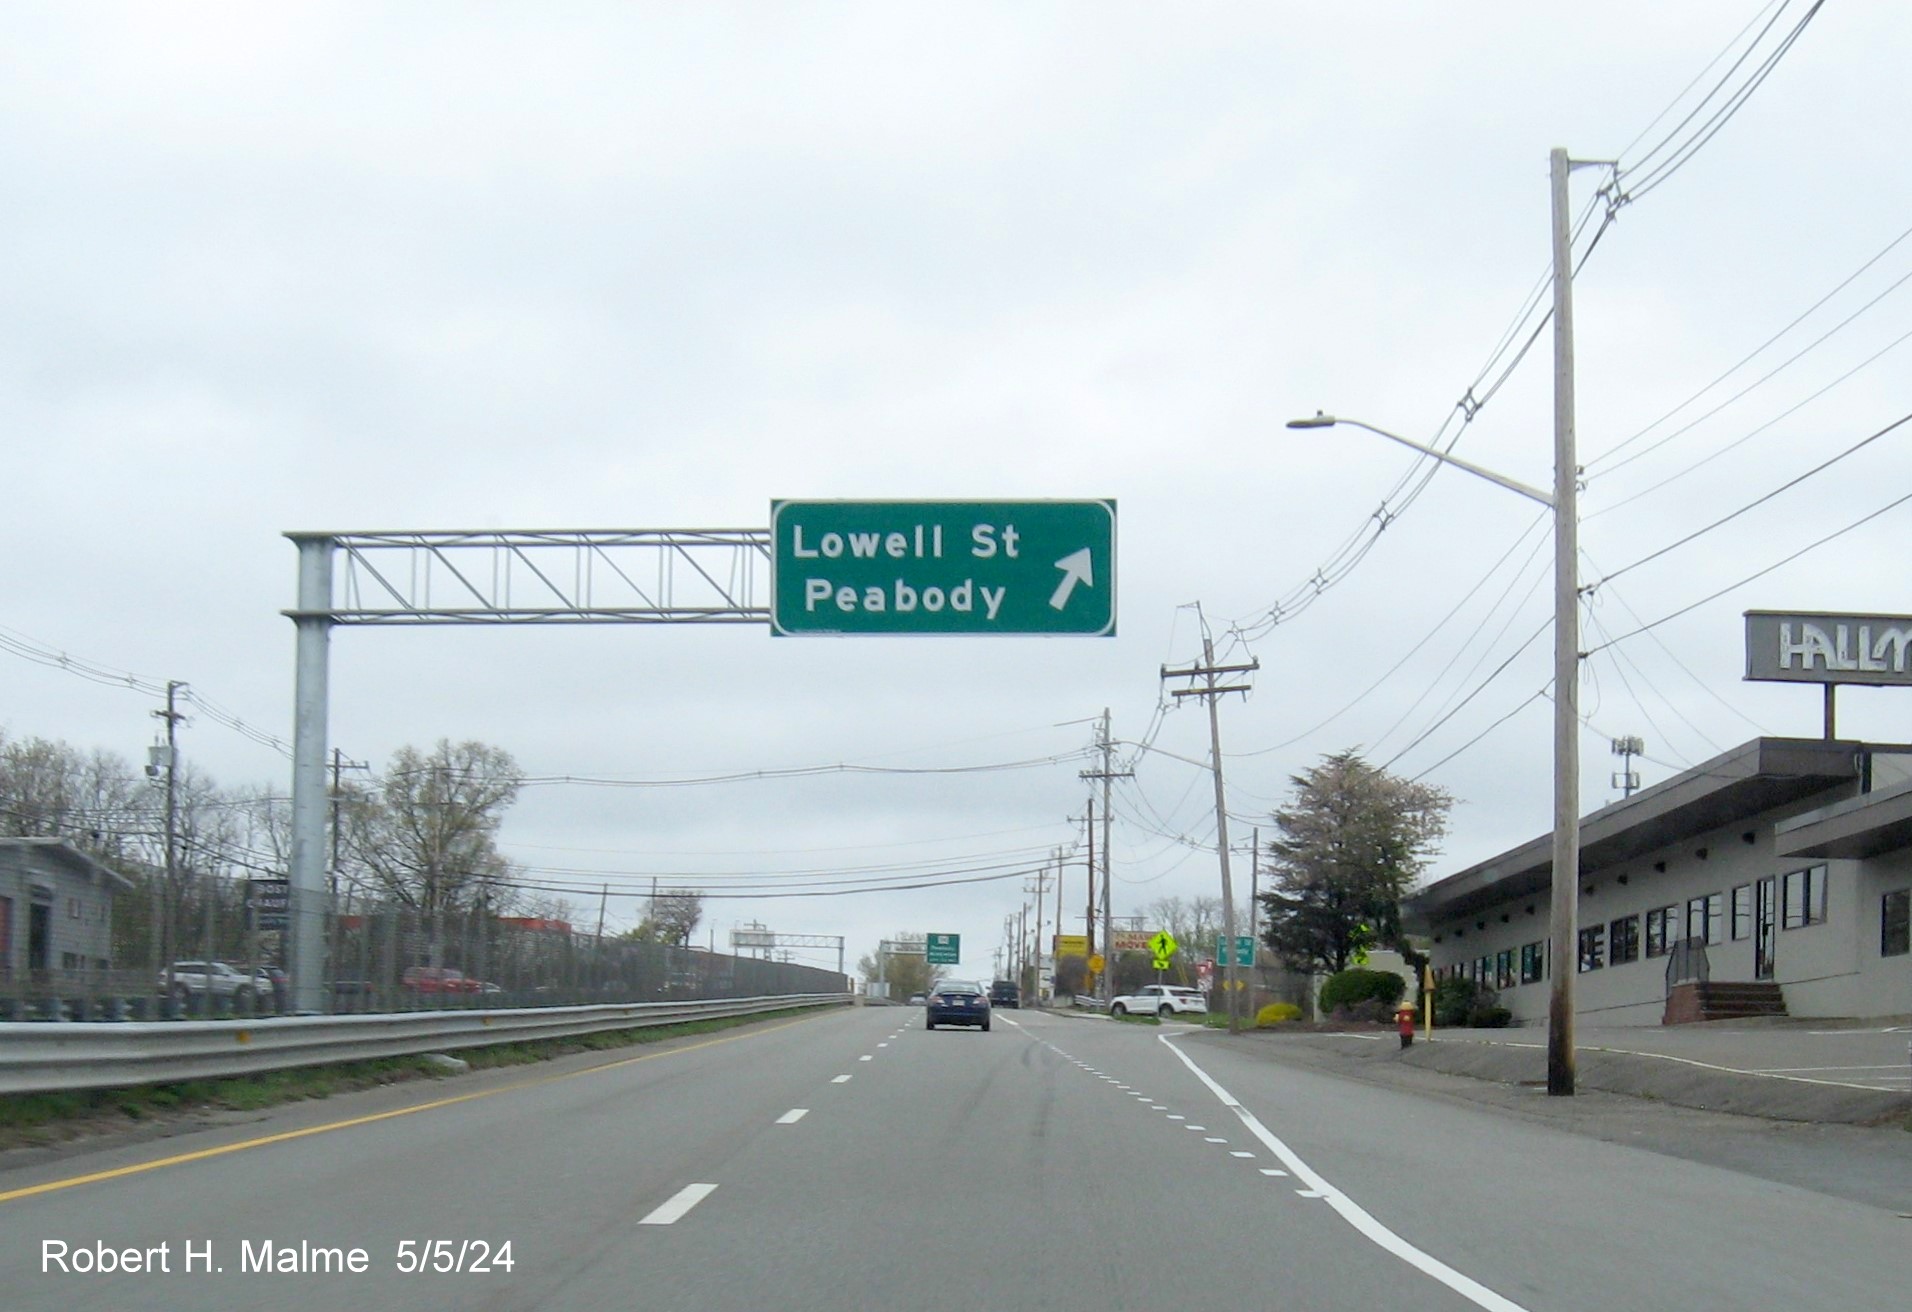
x=1163 y=945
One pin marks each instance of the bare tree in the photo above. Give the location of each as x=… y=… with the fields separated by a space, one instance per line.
x=673 y=916
x=427 y=838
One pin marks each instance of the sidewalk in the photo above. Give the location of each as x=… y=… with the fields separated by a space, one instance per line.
x=1826 y=1072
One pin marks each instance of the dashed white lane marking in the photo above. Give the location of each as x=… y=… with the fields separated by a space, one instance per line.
x=1239 y=1153
x=792 y=1116
x=1175 y=1117
x=882 y=1045
x=866 y=1057
x=841 y=1079
x=1270 y=1170
x=1351 y=1212
x=1213 y=1139
x=1309 y=1193
x=679 y=1203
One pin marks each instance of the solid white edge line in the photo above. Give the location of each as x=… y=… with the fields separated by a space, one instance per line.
x=1352 y=1212
x=792 y=1116
x=679 y=1203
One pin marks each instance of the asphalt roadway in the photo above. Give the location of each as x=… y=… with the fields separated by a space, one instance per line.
x=850 y=1160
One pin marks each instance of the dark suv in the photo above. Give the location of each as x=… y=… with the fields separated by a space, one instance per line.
x=1005 y=994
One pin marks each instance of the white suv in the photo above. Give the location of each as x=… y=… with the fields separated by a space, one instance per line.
x=1160 y=1001
x=190 y=977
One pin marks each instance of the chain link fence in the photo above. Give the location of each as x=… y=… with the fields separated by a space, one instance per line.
x=385 y=958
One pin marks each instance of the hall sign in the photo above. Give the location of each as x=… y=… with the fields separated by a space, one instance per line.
x=1806 y=647
x=943 y=567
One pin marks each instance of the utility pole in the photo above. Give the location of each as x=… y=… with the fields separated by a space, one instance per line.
x=1211 y=692
x=1565 y=901
x=339 y=766
x=1022 y=943
x=1254 y=887
x=1088 y=920
x=1042 y=880
x=165 y=909
x=1105 y=983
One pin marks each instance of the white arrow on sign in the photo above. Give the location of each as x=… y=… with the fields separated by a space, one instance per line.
x=1077 y=567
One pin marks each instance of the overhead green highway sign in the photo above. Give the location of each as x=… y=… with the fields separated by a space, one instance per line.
x=943 y=567
x=943 y=950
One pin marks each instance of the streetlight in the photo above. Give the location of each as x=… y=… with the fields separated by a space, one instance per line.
x=1564 y=907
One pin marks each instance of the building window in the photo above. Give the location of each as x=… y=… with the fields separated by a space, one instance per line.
x=1623 y=940
x=1802 y=898
x=1706 y=918
x=1533 y=962
x=73 y=908
x=1593 y=952
x=1895 y=923
x=1662 y=930
x=1504 y=969
x=1484 y=972
x=1742 y=912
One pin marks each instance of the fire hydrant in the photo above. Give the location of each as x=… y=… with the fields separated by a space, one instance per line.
x=1404 y=1019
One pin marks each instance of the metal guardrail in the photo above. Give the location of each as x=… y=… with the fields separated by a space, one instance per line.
x=1088 y=1003
x=45 y=1057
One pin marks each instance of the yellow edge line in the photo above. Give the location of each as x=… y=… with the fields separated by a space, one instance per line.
x=180 y=1159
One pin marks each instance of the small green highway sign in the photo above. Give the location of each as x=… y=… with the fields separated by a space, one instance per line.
x=943 y=567
x=943 y=950
x=1244 y=951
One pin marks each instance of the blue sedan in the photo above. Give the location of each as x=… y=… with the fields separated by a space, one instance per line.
x=957 y=1002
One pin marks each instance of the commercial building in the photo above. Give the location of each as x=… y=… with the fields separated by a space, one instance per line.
x=56 y=909
x=1775 y=878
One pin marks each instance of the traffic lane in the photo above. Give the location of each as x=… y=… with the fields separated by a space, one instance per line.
x=554 y=1163
x=1567 y=1221
x=995 y=1170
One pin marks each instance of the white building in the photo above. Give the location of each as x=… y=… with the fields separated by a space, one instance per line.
x=1775 y=878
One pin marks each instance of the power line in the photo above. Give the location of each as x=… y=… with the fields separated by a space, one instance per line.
x=1478 y=690
x=1757 y=574
x=1682 y=154
x=1754 y=354
x=1753 y=504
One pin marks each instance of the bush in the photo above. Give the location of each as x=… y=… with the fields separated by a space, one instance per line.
x=1347 y=989
x=1459 y=1001
x=1276 y=1013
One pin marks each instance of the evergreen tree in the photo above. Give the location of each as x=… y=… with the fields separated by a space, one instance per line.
x=1348 y=848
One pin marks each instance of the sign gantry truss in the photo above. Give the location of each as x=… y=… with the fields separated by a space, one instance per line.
x=552 y=576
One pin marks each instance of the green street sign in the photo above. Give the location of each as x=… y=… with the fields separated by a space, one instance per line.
x=943 y=567
x=1244 y=951
x=943 y=949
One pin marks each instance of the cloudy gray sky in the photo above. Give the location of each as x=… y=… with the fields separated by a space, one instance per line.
x=430 y=266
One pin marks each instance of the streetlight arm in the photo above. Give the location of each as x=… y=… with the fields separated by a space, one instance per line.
x=1512 y=485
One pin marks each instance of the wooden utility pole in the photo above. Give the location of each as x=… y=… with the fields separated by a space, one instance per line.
x=1105 y=982
x=166 y=908
x=1211 y=691
x=1089 y=918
